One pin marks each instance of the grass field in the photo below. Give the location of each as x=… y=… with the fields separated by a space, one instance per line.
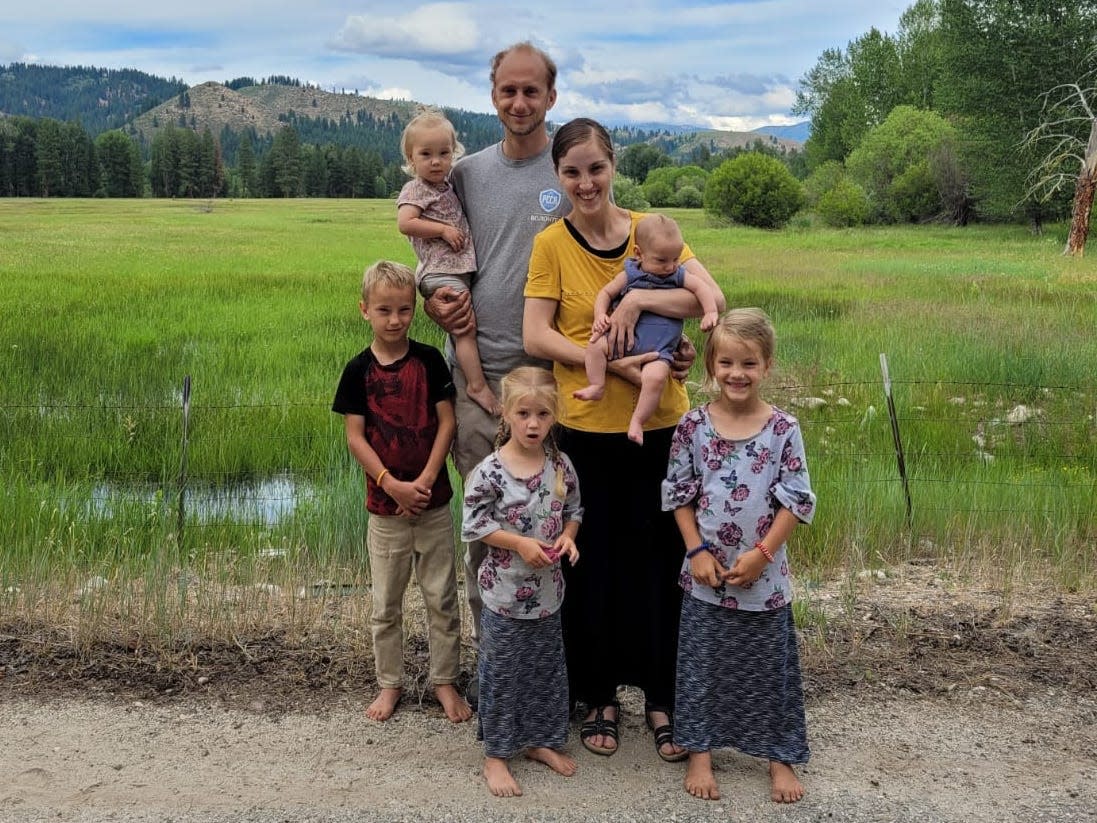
x=109 y=304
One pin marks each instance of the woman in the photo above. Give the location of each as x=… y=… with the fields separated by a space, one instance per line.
x=621 y=609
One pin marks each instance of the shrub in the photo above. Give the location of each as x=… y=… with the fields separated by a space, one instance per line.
x=754 y=189
x=689 y=197
x=659 y=194
x=822 y=180
x=845 y=204
x=628 y=195
x=893 y=163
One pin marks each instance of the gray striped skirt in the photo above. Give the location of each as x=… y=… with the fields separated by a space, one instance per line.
x=523 y=684
x=738 y=684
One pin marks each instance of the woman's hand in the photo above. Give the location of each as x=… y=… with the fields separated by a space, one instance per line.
x=628 y=368
x=452 y=310
x=620 y=328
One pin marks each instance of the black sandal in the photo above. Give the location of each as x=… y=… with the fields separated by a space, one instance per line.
x=664 y=734
x=600 y=725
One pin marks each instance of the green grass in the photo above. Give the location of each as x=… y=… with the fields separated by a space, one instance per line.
x=109 y=304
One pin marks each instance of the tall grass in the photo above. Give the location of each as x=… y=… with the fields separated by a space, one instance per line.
x=109 y=304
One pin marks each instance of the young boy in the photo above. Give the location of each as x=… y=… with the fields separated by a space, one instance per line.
x=654 y=265
x=397 y=398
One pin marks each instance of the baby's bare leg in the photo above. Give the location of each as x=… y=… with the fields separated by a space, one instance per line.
x=699 y=780
x=501 y=782
x=596 y=360
x=785 y=786
x=653 y=377
x=468 y=358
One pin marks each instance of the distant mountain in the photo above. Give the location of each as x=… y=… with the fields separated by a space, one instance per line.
x=102 y=99
x=99 y=99
x=799 y=132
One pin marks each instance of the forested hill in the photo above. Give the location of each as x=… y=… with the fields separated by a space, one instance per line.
x=143 y=105
x=319 y=117
x=98 y=99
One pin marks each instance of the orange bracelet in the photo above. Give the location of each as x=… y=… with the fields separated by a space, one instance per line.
x=380 y=475
x=760 y=546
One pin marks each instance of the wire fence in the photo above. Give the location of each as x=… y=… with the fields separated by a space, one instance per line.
x=902 y=453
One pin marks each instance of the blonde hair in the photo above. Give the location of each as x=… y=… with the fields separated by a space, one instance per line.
x=750 y=325
x=387 y=273
x=429 y=119
x=658 y=226
x=539 y=384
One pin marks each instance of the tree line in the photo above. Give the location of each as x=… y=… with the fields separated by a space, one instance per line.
x=934 y=121
x=43 y=157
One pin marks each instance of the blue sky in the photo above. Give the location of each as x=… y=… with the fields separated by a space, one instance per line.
x=731 y=65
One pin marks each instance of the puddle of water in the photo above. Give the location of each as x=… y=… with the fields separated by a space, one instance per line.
x=268 y=501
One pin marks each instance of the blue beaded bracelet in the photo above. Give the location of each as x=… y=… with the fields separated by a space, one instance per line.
x=704 y=547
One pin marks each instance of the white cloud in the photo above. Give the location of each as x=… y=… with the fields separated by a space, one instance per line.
x=436 y=29
x=676 y=61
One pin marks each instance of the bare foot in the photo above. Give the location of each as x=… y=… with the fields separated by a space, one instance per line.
x=591 y=392
x=457 y=710
x=383 y=705
x=557 y=761
x=699 y=780
x=785 y=786
x=485 y=398
x=602 y=741
x=636 y=432
x=501 y=782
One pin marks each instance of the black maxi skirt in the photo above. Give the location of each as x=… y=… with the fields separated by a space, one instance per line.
x=622 y=604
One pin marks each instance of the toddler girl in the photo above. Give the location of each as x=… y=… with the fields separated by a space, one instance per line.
x=522 y=500
x=430 y=215
x=738 y=484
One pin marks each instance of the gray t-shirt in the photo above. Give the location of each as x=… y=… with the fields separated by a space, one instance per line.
x=507 y=202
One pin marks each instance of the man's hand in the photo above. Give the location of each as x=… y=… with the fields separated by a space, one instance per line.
x=684 y=356
x=452 y=310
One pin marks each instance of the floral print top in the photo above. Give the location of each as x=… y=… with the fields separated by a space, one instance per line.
x=736 y=488
x=495 y=499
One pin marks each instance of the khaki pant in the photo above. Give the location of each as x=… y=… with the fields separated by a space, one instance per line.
x=475 y=440
x=397 y=546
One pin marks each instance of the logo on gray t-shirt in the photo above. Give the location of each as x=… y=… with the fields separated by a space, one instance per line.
x=549 y=199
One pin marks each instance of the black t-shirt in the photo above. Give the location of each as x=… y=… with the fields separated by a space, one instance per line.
x=398 y=402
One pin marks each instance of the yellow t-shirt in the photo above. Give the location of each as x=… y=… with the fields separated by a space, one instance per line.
x=562 y=269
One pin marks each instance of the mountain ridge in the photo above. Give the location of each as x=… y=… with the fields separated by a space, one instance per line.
x=149 y=104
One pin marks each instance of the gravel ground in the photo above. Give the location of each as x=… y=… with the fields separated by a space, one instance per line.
x=925 y=703
x=971 y=756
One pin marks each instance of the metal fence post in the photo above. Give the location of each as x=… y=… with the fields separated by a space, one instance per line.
x=897 y=440
x=183 y=461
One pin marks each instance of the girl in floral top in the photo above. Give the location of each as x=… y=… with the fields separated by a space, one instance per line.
x=522 y=500
x=738 y=484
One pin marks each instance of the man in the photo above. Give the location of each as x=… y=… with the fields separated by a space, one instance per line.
x=510 y=192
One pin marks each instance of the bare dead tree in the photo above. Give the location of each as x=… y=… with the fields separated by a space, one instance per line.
x=1066 y=108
